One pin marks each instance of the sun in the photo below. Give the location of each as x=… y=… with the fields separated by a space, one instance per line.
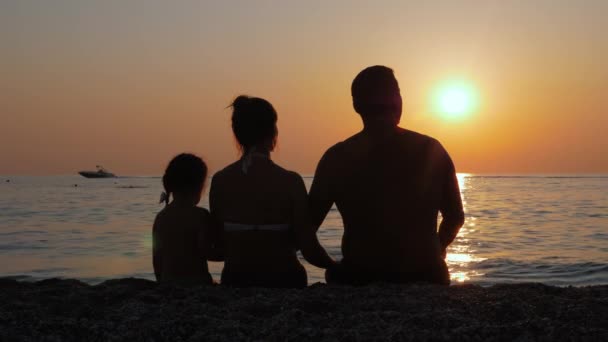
x=455 y=100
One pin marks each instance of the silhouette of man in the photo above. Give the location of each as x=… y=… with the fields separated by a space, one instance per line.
x=389 y=184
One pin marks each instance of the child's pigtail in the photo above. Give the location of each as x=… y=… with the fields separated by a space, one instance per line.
x=164 y=197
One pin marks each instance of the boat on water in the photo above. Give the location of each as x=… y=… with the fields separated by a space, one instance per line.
x=100 y=173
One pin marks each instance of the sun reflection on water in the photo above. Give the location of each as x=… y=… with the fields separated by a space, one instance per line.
x=461 y=253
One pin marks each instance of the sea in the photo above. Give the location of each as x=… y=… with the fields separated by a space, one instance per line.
x=519 y=228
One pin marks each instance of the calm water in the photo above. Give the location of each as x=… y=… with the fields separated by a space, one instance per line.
x=518 y=229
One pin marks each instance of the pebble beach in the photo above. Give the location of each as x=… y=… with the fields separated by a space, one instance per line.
x=141 y=310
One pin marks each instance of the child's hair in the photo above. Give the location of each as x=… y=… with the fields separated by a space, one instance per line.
x=186 y=174
x=254 y=121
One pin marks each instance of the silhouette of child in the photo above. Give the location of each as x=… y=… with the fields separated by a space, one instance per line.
x=183 y=233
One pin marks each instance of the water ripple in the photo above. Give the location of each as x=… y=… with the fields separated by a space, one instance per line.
x=518 y=228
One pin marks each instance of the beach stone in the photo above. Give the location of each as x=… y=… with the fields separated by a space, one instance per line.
x=142 y=310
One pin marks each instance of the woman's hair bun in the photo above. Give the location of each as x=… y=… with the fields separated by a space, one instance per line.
x=241 y=103
x=254 y=121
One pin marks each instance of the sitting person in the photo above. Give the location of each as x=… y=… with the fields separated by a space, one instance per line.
x=389 y=184
x=262 y=208
x=182 y=233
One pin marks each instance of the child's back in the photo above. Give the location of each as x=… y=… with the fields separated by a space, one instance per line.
x=180 y=233
x=180 y=253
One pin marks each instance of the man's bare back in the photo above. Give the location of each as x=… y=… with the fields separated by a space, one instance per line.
x=389 y=185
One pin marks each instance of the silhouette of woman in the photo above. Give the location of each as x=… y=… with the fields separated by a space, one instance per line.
x=262 y=208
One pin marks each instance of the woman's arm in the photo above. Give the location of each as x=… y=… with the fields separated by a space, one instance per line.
x=306 y=235
x=215 y=229
x=210 y=239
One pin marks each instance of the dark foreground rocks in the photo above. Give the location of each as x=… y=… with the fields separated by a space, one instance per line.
x=140 y=310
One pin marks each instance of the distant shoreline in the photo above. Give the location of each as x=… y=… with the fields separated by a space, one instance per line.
x=137 y=309
x=306 y=175
x=96 y=281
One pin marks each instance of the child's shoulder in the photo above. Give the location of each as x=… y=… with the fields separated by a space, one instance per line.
x=170 y=212
x=162 y=213
x=190 y=217
x=204 y=217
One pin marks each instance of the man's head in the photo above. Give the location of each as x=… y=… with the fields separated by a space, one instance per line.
x=376 y=95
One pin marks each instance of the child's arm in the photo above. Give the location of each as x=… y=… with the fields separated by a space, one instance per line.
x=156 y=253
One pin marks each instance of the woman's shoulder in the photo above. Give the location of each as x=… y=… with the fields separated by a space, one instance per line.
x=290 y=177
x=225 y=172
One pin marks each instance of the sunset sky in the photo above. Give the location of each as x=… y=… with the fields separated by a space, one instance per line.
x=129 y=84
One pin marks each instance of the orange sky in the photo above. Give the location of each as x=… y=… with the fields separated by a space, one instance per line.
x=130 y=84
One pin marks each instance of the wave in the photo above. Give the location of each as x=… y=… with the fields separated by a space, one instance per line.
x=144 y=177
x=538 y=176
x=552 y=273
x=466 y=175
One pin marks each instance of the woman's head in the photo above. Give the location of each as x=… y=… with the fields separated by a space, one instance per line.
x=185 y=176
x=254 y=123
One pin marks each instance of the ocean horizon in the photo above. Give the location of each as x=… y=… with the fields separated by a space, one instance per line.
x=549 y=228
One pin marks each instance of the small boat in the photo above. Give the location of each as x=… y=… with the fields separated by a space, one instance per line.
x=100 y=173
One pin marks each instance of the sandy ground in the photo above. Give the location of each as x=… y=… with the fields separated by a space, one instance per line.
x=138 y=310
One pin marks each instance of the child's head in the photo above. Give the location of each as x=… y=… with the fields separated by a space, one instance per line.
x=184 y=177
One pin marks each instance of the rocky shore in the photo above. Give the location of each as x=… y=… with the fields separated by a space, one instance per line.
x=141 y=310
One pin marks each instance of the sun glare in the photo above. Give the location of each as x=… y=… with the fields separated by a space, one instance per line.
x=455 y=100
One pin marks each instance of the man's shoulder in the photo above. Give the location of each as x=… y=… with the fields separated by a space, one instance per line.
x=339 y=146
x=334 y=152
x=344 y=146
x=422 y=140
x=413 y=135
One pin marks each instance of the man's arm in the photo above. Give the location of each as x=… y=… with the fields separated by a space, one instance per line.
x=307 y=240
x=450 y=207
x=321 y=196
